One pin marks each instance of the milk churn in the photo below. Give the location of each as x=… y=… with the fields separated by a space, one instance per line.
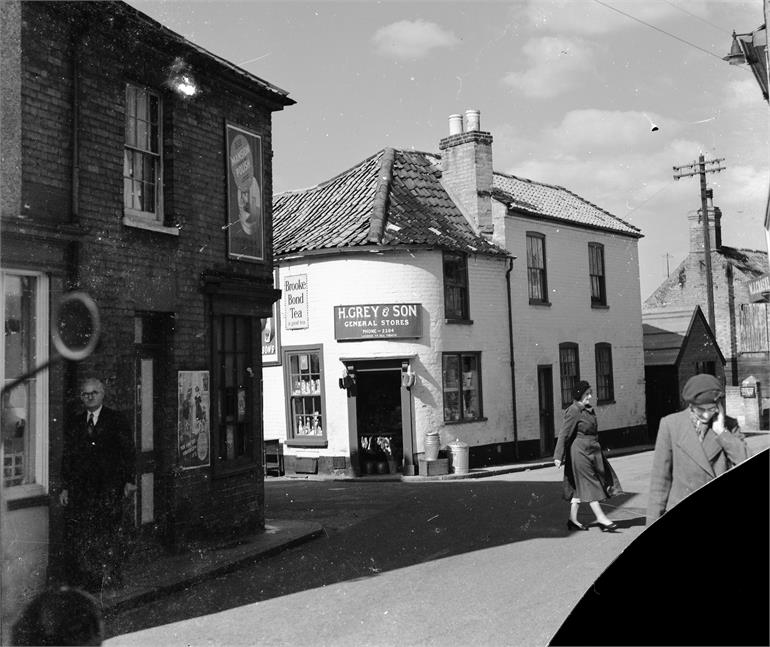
x=432 y=444
x=458 y=456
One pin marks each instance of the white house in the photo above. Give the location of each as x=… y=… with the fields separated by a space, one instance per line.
x=426 y=293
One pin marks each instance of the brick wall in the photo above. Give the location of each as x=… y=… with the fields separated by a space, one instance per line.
x=127 y=269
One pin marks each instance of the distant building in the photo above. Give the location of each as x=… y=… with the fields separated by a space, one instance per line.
x=742 y=322
x=136 y=167
x=428 y=293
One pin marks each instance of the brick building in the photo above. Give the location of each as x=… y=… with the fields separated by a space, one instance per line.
x=742 y=317
x=136 y=167
x=507 y=291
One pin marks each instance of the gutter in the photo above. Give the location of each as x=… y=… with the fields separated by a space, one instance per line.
x=513 y=363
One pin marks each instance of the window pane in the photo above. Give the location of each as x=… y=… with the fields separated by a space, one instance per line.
x=470 y=383
x=19 y=424
x=568 y=366
x=536 y=267
x=451 y=384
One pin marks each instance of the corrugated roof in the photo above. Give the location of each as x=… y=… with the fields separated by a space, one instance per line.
x=661 y=347
x=365 y=204
x=556 y=202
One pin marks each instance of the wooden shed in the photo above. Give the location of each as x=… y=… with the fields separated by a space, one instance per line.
x=670 y=359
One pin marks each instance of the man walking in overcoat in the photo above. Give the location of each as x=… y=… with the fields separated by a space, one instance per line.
x=693 y=446
x=97 y=477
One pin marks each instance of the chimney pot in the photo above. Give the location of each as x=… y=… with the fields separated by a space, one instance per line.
x=472 y=120
x=455 y=124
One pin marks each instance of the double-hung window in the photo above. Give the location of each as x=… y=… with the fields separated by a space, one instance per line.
x=456 y=286
x=596 y=274
x=304 y=381
x=605 y=386
x=536 y=276
x=25 y=407
x=569 y=368
x=461 y=381
x=142 y=160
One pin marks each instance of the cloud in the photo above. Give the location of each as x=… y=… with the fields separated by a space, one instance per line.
x=741 y=93
x=412 y=39
x=556 y=65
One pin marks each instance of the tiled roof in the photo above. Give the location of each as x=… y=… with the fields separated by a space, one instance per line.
x=555 y=202
x=393 y=198
x=747 y=264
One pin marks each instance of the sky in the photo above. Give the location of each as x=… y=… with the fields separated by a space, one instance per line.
x=569 y=90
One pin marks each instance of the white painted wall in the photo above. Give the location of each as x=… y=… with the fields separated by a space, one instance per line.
x=395 y=277
x=538 y=330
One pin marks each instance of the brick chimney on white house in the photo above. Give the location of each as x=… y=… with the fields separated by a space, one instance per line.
x=466 y=169
x=715 y=226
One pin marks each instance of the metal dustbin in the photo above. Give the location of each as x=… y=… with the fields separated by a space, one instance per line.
x=458 y=457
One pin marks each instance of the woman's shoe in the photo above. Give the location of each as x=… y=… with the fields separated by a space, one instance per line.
x=571 y=525
x=611 y=527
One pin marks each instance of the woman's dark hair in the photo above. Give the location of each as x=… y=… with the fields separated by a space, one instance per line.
x=60 y=616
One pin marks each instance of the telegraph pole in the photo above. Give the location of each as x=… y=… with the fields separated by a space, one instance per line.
x=699 y=168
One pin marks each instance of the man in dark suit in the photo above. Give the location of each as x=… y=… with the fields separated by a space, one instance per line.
x=693 y=446
x=97 y=477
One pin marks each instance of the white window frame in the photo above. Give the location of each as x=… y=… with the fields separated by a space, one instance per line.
x=42 y=334
x=152 y=220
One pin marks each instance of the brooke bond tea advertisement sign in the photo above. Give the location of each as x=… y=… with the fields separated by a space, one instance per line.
x=295 y=302
x=378 y=321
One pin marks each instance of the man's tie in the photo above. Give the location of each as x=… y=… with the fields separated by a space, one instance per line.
x=90 y=424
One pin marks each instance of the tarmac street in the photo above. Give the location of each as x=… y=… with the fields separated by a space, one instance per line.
x=480 y=561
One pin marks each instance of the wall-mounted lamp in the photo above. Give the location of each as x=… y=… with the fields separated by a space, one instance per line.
x=408 y=377
x=181 y=79
x=737 y=56
x=348 y=380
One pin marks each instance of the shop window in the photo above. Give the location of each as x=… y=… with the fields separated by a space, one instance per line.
x=24 y=414
x=605 y=387
x=234 y=391
x=596 y=274
x=304 y=382
x=461 y=381
x=569 y=369
x=142 y=161
x=536 y=275
x=456 y=286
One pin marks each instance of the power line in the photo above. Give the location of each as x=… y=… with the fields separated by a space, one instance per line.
x=662 y=31
x=690 y=13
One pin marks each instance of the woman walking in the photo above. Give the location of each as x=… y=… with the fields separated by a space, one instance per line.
x=588 y=475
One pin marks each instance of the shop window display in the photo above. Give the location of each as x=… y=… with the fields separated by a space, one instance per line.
x=307 y=418
x=462 y=387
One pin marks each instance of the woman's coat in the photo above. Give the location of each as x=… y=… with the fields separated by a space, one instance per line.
x=682 y=463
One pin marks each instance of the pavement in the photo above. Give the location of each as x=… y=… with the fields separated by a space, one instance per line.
x=149 y=576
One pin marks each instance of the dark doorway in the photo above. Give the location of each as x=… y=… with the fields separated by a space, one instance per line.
x=662 y=387
x=545 y=398
x=378 y=420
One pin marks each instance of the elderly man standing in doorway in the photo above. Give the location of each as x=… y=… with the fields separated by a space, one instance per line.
x=693 y=446
x=97 y=475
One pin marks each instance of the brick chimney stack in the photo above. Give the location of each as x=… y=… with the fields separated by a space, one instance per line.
x=715 y=226
x=466 y=169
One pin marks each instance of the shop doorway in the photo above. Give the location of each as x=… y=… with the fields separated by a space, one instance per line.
x=379 y=421
x=380 y=433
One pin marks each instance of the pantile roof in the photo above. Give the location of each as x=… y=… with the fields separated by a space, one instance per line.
x=557 y=203
x=395 y=199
